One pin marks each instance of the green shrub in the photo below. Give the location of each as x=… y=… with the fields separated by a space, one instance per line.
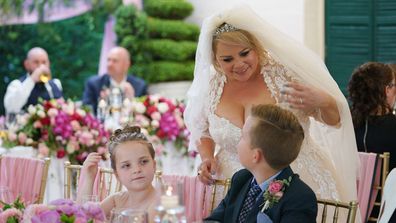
x=161 y=71
x=166 y=49
x=131 y=30
x=172 y=29
x=168 y=9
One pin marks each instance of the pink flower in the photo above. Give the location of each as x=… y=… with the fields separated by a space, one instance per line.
x=11 y=212
x=275 y=187
x=22 y=138
x=37 y=124
x=12 y=136
x=52 y=112
x=34 y=209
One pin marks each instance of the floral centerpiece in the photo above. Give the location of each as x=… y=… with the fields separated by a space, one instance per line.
x=59 y=127
x=12 y=213
x=163 y=120
x=62 y=210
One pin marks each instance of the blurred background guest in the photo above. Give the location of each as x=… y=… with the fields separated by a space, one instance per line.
x=37 y=83
x=372 y=93
x=118 y=63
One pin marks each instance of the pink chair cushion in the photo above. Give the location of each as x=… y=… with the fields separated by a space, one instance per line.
x=22 y=176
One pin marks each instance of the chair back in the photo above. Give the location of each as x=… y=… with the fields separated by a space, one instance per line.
x=335 y=206
x=25 y=177
x=104 y=182
x=219 y=186
x=382 y=173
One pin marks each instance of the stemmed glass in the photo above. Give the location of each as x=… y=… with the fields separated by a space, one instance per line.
x=128 y=216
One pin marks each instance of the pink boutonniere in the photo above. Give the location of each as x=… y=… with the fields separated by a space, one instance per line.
x=275 y=192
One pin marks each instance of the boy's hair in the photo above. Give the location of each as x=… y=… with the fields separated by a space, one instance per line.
x=278 y=133
x=127 y=134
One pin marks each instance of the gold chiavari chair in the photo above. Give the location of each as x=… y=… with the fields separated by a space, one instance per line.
x=384 y=173
x=72 y=176
x=215 y=189
x=351 y=207
x=46 y=162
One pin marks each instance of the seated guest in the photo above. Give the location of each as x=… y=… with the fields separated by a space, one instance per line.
x=372 y=92
x=37 y=83
x=118 y=63
x=268 y=190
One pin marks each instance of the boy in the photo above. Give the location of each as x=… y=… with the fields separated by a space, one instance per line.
x=268 y=190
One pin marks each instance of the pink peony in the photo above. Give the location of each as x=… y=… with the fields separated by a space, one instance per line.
x=11 y=212
x=275 y=187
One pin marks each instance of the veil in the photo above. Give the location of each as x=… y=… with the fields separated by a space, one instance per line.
x=339 y=142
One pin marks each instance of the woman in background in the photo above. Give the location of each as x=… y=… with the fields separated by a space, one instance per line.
x=372 y=92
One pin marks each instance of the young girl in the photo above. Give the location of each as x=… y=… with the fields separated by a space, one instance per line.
x=132 y=159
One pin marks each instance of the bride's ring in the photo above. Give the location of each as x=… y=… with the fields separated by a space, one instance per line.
x=199 y=172
x=301 y=101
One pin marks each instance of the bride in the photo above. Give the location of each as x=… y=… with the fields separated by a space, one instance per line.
x=241 y=60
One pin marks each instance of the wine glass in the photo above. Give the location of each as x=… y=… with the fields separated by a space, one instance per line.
x=115 y=215
x=134 y=216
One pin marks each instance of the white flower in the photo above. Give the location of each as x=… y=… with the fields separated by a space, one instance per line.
x=156 y=116
x=22 y=120
x=29 y=141
x=81 y=112
x=154 y=98
x=31 y=109
x=41 y=114
x=70 y=148
x=162 y=107
x=139 y=108
x=52 y=112
x=155 y=123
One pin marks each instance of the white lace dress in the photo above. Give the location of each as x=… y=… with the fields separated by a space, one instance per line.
x=313 y=164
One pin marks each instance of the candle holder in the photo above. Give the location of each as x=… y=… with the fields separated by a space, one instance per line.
x=170 y=207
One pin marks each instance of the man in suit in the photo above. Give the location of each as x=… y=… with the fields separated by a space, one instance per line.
x=118 y=63
x=268 y=190
x=30 y=87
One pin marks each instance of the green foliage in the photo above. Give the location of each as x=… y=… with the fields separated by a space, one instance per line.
x=131 y=29
x=172 y=29
x=73 y=46
x=168 y=9
x=166 y=49
x=163 y=71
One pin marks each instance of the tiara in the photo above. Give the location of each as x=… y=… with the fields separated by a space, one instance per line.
x=223 y=28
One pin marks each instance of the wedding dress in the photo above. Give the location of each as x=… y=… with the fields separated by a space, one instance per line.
x=313 y=164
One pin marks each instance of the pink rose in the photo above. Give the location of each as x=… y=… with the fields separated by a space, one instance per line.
x=275 y=187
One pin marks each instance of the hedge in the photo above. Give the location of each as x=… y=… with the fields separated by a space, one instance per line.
x=166 y=49
x=172 y=29
x=168 y=9
x=162 y=71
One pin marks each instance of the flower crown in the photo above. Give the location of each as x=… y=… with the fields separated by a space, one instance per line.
x=223 y=28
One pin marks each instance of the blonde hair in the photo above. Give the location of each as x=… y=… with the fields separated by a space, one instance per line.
x=238 y=37
x=278 y=133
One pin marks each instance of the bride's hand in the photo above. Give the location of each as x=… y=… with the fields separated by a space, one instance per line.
x=207 y=168
x=304 y=97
